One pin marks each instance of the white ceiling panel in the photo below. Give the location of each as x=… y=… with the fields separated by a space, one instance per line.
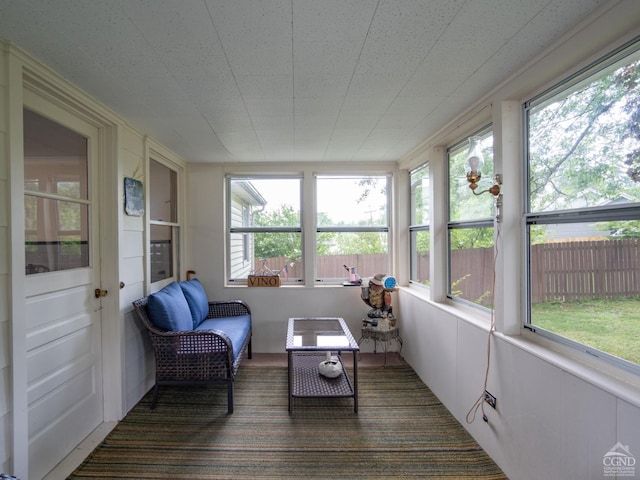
x=288 y=80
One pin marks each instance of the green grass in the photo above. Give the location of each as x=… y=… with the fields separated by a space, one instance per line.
x=611 y=325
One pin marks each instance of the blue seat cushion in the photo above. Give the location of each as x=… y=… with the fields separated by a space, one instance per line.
x=169 y=310
x=237 y=328
x=197 y=300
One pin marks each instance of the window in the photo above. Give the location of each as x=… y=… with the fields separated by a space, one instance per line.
x=265 y=227
x=246 y=237
x=164 y=228
x=56 y=201
x=349 y=221
x=419 y=234
x=470 y=227
x=583 y=210
x=352 y=226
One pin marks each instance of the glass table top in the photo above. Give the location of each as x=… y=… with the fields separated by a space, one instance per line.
x=324 y=333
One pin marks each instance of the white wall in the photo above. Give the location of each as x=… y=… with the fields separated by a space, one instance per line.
x=555 y=418
x=271 y=307
x=138 y=372
x=138 y=358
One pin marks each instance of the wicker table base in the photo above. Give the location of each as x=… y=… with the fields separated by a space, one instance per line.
x=309 y=342
x=306 y=380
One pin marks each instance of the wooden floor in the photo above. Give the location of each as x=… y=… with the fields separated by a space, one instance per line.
x=364 y=359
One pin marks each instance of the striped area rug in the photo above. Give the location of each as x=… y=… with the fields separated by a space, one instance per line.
x=400 y=431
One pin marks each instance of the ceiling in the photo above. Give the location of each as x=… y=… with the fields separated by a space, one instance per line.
x=288 y=80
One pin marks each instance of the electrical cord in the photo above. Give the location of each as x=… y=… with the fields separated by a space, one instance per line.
x=479 y=404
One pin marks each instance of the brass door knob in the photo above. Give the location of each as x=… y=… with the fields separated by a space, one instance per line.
x=100 y=293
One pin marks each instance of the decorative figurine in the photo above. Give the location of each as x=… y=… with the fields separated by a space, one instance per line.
x=354 y=278
x=330 y=367
x=377 y=294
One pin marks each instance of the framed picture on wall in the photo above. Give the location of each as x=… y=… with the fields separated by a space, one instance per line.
x=133 y=197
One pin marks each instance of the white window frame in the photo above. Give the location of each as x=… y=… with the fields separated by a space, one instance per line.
x=247 y=232
x=485 y=222
x=386 y=229
x=175 y=226
x=416 y=228
x=630 y=211
x=308 y=228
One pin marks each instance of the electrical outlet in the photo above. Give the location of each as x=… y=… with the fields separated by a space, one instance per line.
x=490 y=399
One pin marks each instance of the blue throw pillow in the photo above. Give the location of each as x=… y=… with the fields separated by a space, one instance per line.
x=197 y=300
x=169 y=310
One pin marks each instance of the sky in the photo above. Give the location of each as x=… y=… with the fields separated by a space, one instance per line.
x=337 y=197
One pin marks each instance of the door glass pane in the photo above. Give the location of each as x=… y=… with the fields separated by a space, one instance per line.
x=55 y=165
x=55 y=158
x=62 y=245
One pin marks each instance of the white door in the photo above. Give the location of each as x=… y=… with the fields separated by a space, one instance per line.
x=62 y=271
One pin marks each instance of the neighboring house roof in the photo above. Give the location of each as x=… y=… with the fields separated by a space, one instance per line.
x=581 y=231
x=248 y=193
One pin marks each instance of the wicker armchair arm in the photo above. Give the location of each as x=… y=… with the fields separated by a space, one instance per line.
x=203 y=341
x=228 y=308
x=200 y=341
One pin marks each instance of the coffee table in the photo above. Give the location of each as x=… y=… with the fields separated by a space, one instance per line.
x=308 y=341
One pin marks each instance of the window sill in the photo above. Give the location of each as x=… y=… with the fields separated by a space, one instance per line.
x=620 y=383
x=474 y=316
x=616 y=381
x=290 y=285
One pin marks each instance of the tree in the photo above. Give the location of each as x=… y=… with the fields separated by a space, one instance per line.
x=360 y=243
x=629 y=80
x=579 y=144
x=465 y=206
x=284 y=244
x=278 y=244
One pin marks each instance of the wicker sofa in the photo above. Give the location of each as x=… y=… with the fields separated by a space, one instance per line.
x=195 y=341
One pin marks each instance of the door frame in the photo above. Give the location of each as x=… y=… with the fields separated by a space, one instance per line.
x=24 y=74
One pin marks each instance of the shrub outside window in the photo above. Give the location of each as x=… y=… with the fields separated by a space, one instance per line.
x=470 y=227
x=583 y=210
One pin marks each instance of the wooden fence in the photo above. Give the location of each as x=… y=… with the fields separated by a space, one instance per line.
x=332 y=266
x=569 y=271
x=562 y=271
